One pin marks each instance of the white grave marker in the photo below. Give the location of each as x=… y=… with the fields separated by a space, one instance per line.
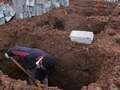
x=84 y=37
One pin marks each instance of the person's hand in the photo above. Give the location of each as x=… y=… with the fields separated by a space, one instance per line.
x=39 y=63
x=7 y=56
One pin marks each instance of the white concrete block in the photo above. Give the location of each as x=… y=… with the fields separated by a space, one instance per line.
x=12 y=12
x=8 y=18
x=33 y=11
x=64 y=3
x=48 y=6
x=1 y=14
x=21 y=16
x=29 y=14
x=2 y=20
x=35 y=7
x=55 y=3
x=25 y=8
x=18 y=11
x=41 y=1
x=39 y=9
x=2 y=7
x=43 y=9
x=18 y=3
x=111 y=1
x=30 y=2
x=26 y=15
x=84 y=37
x=8 y=12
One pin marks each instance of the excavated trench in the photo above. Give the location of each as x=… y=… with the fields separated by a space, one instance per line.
x=77 y=65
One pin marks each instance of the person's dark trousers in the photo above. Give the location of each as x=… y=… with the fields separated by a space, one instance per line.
x=39 y=74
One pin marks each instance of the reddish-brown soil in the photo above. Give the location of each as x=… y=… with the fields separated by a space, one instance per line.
x=77 y=65
x=7 y=83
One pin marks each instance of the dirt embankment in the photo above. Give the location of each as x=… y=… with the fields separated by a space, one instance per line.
x=77 y=65
x=7 y=83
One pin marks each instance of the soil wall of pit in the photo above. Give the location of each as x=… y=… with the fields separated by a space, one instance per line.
x=77 y=65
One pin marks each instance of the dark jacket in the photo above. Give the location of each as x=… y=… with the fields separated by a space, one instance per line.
x=27 y=56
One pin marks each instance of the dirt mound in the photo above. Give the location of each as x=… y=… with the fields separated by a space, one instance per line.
x=92 y=86
x=7 y=83
x=77 y=65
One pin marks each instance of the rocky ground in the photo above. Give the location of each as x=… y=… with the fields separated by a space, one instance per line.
x=86 y=67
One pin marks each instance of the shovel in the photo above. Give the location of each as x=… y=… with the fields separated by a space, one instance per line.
x=28 y=74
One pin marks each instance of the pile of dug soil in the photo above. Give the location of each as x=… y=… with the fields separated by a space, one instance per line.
x=77 y=65
x=7 y=83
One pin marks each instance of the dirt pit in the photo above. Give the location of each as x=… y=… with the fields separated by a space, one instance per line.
x=77 y=65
